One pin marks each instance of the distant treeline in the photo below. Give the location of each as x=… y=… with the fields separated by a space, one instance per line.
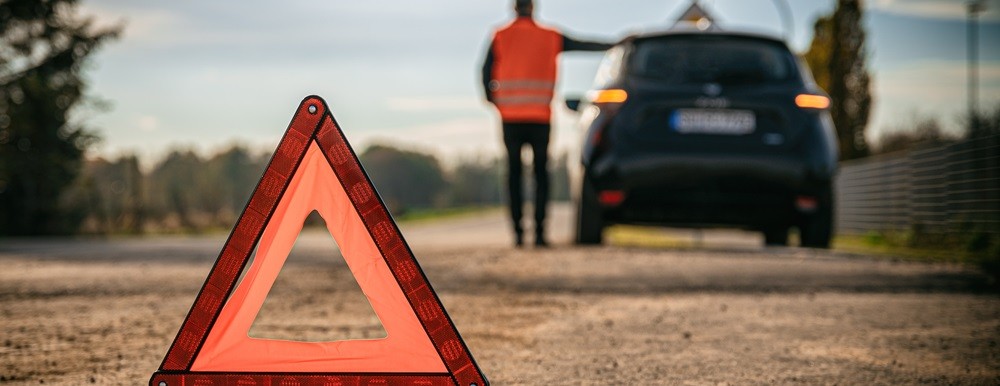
x=924 y=130
x=187 y=192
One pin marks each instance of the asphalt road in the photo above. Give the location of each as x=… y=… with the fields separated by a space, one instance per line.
x=725 y=311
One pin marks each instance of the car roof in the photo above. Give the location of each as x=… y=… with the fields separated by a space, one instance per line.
x=684 y=30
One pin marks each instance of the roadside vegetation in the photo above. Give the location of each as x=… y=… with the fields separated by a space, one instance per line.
x=972 y=248
x=45 y=46
x=186 y=192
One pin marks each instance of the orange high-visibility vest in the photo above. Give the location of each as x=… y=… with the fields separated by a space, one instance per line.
x=524 y=70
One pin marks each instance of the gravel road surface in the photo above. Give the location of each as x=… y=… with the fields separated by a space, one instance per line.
x=727 y=312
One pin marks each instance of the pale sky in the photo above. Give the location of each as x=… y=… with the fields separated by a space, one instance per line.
x=208 y=74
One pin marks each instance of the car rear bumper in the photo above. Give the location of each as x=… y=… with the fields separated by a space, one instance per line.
x=702 y=190
x=769 y=172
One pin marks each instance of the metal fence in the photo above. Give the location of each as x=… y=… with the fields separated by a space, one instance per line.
x=951 y=188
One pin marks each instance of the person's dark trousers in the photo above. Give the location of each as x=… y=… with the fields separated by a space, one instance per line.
x=536 y=135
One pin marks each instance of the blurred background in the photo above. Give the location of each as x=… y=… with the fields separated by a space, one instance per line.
x=133 y=132
x=150 y=117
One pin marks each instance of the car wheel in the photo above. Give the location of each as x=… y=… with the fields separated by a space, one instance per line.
x=816 y=229
x=776 y=236
x=589 y=225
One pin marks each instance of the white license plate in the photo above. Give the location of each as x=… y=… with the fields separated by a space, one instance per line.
x=706 y=121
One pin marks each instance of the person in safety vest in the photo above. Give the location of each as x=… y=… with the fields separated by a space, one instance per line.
x=519 y=78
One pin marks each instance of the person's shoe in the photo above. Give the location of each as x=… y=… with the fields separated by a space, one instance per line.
x=540 y=235
x=518 y=240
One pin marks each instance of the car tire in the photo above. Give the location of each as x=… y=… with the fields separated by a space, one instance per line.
x=589 y=224
x=816 y=229
x=776 y=236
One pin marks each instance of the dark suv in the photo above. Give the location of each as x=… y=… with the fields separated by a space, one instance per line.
x=706 y=129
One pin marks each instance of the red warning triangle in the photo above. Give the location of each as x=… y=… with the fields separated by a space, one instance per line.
x=314 y=168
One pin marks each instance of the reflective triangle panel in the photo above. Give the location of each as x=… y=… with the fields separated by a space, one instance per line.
x=314 y=168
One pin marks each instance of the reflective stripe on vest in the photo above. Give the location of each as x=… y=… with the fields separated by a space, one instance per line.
x=524 y=71
x=513 y=100
x=528 y=84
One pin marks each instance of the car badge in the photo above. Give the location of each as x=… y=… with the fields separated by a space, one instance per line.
x=712 y=89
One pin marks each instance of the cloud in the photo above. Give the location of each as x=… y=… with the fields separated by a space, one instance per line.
x=934 y=88
x=448 y=139
x=423 y=104
x=936 y=82
x=141 y=24
x=148 y=123
x=936 y=9
x=325 y=27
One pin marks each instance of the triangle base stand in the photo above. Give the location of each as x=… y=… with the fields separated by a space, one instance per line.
x=168 y=378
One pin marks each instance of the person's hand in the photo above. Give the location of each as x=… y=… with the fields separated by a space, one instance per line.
x=625 y=40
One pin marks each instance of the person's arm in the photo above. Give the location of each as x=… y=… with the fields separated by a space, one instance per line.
x=570 y=44
x=487 y=75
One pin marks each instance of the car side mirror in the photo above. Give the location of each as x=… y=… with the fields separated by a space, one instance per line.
x=573 y=104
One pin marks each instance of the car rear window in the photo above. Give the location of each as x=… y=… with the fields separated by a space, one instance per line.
x=690 y=60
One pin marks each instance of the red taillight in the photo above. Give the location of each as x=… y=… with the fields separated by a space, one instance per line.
x=611 y=197
x=810 y=101
x=806 y=203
